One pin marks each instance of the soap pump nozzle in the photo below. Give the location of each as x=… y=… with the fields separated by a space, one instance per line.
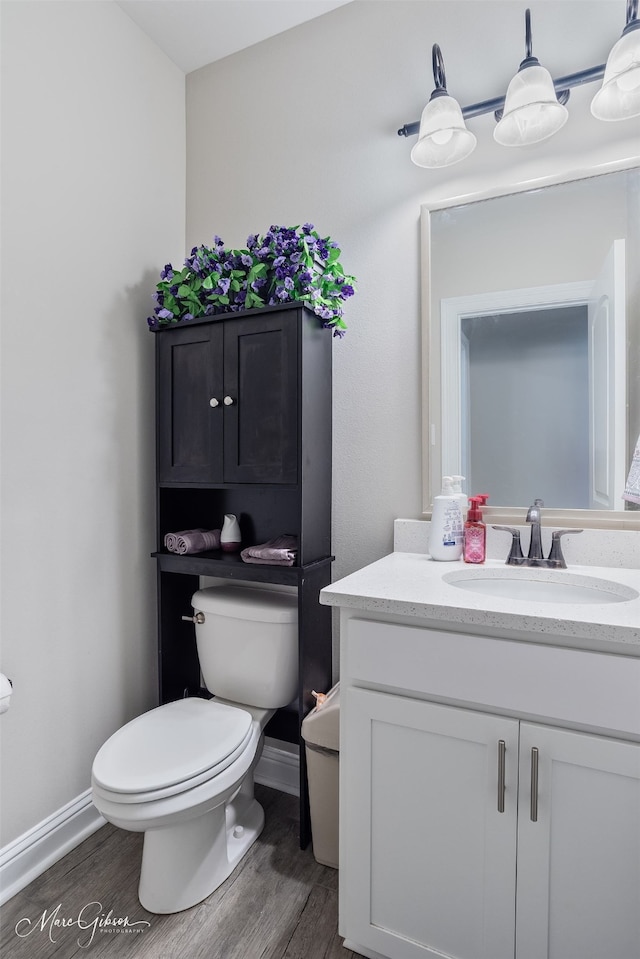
x=473 y=516
x=475 y=504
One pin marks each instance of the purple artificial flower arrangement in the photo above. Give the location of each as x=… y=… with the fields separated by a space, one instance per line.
x=286 y=264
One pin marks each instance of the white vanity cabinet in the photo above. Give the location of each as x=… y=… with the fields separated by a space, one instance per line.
x=474 y=824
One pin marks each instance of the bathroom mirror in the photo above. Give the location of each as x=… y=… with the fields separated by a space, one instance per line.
x=531 y=346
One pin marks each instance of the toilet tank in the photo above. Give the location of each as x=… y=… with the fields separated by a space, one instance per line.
x=248 y=644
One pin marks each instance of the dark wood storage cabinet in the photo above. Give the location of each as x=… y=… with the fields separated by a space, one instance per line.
x=228 y=401
x=244 y=427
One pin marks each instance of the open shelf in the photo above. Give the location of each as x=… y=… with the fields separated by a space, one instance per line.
x=231 y=566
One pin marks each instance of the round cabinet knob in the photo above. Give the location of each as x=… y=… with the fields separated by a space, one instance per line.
x=214 y=402
x=228 y=401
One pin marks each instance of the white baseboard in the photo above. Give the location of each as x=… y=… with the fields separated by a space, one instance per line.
x=361 y=951
x=28 y=856
x=279 y=769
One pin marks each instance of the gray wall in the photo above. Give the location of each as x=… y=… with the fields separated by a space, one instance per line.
x=93 y=204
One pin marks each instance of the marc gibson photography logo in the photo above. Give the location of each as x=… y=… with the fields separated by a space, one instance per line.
x=90 y=920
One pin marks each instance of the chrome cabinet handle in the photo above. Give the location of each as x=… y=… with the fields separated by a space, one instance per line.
x=228 y=401
x=214 y=402
x=534 y=784
x=502 y=749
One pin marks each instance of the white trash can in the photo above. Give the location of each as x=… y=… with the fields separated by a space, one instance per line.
x=321 y=733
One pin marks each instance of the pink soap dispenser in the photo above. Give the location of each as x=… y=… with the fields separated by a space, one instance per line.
x=475 y=532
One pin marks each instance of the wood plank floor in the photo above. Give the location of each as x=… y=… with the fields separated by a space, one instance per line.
x=279 y=903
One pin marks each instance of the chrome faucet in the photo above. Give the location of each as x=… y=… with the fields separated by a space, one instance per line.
x=535 y=557
x=534 y=516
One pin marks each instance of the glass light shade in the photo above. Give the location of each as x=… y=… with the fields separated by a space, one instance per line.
x=619 y=96
x=443 y=138
x=531 y=109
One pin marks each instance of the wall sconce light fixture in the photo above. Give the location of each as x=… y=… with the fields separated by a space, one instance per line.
x=534 y=106
x=444 y=138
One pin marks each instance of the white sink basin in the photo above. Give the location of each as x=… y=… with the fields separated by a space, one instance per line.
x=540 y=585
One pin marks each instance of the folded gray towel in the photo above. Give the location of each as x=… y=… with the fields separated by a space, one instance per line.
x=192 y=541
x=171 y=539
x=280 y=551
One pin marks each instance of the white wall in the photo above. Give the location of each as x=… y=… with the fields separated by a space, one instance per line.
x=303 y=127
x=93 y=205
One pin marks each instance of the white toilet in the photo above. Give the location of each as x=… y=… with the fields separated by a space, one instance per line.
x=183 y=773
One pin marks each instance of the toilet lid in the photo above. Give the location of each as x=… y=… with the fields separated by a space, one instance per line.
x=170 y=744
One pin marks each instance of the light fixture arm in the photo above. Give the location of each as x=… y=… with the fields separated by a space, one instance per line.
x=439 y=77
x=527 y=35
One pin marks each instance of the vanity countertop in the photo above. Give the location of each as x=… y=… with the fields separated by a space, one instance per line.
x=412 y=585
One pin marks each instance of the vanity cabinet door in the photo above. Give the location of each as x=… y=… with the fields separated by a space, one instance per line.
x=428 y=860
x=579 y=863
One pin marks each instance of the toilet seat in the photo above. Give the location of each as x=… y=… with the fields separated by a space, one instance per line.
x=170 y=749
x=139 y=812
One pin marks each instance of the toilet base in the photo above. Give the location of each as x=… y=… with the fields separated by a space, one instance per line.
x=185 y=863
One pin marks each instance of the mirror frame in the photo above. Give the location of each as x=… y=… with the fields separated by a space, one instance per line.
x=431 y=405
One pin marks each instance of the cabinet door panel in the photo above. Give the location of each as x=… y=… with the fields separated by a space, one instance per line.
x=261 y=424
x=578 y=893
x=429 y=860
x=189 y=427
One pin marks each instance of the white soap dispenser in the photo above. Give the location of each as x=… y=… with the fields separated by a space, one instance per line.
x=447 y=524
